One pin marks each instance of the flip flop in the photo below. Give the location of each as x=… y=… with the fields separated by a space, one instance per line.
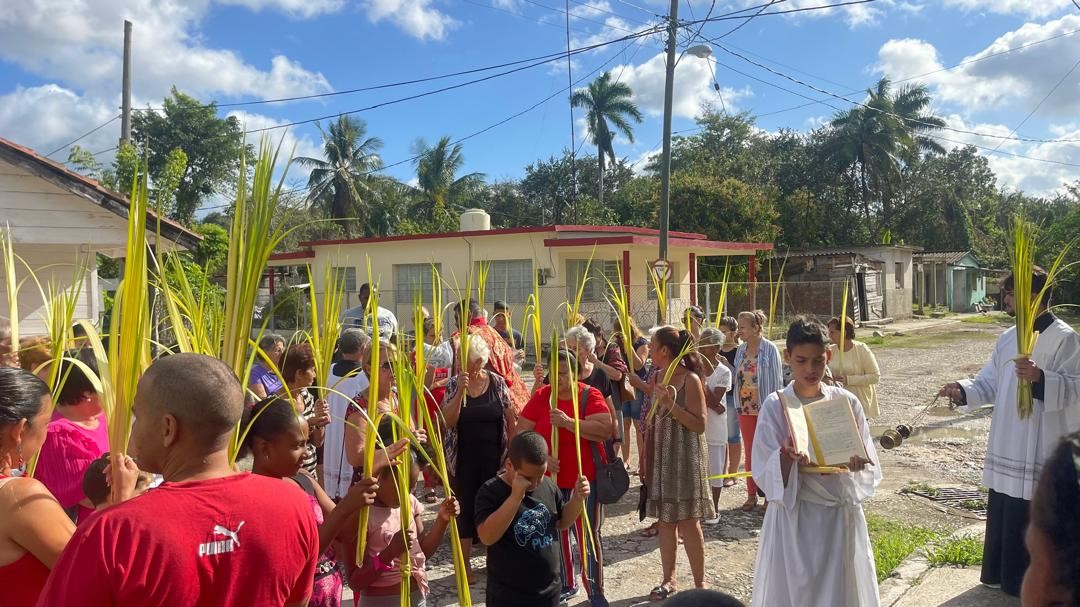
x=661 y=592
x=431 y=497
x=729 y=482
x=651 y=531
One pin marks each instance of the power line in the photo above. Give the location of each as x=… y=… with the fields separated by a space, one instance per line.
x=909 y=78
x=1041 y=101
x=84 y=135
x=871 y=108
x=640 y=8
x=743 y=24
x=475 y=133
x=612 y=13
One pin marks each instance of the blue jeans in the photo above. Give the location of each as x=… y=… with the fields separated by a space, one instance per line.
x=733 y=435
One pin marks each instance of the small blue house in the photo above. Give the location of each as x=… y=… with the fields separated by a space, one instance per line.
x=954 y=279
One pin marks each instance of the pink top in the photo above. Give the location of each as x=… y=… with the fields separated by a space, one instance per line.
x=68 y=450
x=383 y=525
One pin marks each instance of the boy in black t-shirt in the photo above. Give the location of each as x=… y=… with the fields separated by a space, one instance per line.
x=517 y=516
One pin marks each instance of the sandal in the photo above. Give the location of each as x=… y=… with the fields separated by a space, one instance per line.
x=651 y=531
x=431 y=497
x=661 y=592
x=749 y=505
x=729 y=482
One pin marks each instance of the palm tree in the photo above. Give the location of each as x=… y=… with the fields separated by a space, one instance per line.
x=437 y=181
x=342 y=185
x=606 y=102
x=877 y=138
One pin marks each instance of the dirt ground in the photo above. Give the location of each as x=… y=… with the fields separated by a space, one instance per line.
x=947 y=450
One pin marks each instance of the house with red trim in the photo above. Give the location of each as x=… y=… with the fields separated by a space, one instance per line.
x=59 y=220
x=558 y=256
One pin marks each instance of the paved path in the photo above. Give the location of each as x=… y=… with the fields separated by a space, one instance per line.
x=951 y=587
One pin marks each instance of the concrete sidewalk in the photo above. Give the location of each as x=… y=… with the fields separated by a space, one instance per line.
x=952 y=587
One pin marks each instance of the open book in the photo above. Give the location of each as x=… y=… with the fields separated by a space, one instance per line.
x=825 y=430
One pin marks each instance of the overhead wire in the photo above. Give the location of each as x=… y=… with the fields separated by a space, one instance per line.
x=1049 y=94
x=879 y=110
x=84 y=135
x=909 y=78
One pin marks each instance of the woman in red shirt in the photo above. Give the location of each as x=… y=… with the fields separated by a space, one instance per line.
x=595 y=428
x=33 y=526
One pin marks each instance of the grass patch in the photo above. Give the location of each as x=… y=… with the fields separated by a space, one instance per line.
x=923 y=488
x=992 y=318
x=925 y=341
x=894 y=541
x=963 y=551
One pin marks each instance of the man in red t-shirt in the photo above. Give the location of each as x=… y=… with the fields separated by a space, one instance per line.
x=207 y=535
x=595 y=428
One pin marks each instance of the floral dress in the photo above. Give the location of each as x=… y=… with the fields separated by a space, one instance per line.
x=749 y=401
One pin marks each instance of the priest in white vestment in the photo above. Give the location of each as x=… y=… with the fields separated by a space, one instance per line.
x=1018 y=447
x=815 y=549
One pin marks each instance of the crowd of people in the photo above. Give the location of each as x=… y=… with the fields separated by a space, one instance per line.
x=175 y=521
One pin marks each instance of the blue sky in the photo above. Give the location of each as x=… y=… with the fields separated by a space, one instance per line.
x=60 y=70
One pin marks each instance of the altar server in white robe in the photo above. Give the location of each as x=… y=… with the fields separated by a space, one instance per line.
x=815 y=549
x=1018 y=447
x=346 y=380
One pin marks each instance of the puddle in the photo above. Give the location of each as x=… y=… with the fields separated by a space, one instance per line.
x=923 y=434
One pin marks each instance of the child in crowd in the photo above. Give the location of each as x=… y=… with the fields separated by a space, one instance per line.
x=96 y=485
x=276 y=436
x=378 y=579
x=815 y=550
x=1053 y=536
x=518 y=514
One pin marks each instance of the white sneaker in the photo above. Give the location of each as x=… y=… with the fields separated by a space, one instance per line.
x=711 y=521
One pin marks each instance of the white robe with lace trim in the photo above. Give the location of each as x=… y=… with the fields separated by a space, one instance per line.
x=1018 y=447
x=814 y=550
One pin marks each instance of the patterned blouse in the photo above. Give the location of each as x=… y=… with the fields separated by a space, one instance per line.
x=749 y=402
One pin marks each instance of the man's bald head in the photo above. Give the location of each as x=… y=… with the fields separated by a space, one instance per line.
x=200 y=391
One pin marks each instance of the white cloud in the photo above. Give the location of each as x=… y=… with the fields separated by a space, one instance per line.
x=1029 y=8
x=304 y=9
x=79 y=46
x=638 y=165
x=418 y=18
x=291 y=145
x=1029 y=167
x=1019 y=79
x=692 y=89
x=855 y=15
x=49 y=116
x=76 y=46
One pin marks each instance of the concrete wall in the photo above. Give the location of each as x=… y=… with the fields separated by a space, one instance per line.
x=455 y=255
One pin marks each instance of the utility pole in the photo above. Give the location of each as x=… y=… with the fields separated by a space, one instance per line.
x=125 y=111
x=665 y=160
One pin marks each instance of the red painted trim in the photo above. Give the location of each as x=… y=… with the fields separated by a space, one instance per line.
x=693 y=279
x=273 y=271
x=505 y=231
x=292 y=255
x=589 y=241
x=627 y=230
x=651 y=240
x=626 y=272
x=751 y=273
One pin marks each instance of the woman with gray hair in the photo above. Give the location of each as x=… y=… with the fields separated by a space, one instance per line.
x=264 y=380
x=480 y=417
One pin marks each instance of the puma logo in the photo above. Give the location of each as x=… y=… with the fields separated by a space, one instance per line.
x=222 y=546
x=233 y=535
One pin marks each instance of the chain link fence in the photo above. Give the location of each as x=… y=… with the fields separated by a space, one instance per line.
x=289 y=311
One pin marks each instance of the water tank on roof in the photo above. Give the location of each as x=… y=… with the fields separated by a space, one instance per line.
x=475 y=219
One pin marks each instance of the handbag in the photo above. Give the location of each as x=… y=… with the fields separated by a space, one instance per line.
x=612 y=479
x=626 y=391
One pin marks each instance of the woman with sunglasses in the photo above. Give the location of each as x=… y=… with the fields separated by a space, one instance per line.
x=356 y=422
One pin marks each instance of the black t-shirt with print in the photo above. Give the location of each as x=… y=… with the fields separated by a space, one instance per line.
x=523 y=566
